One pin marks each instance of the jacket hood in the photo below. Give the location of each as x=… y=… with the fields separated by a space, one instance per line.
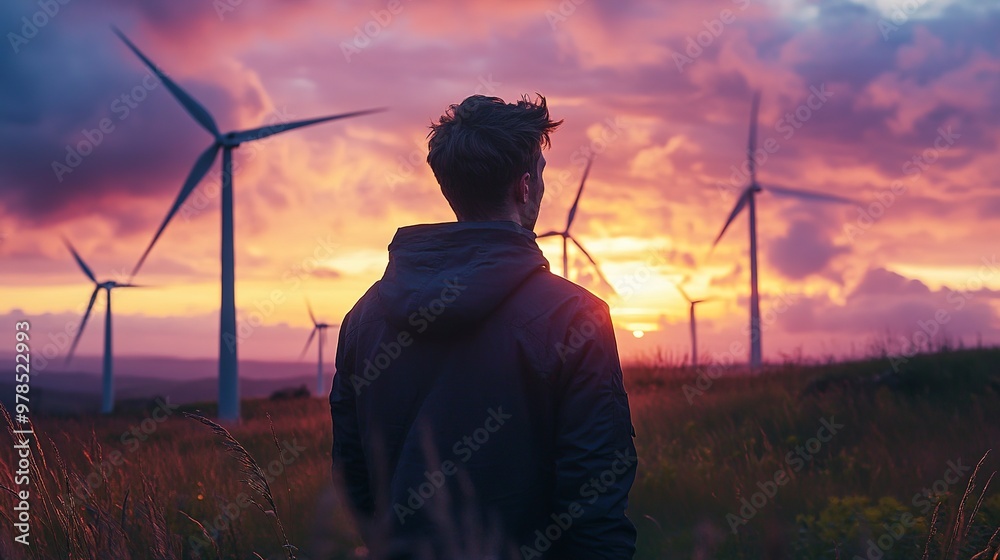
x=442 y=277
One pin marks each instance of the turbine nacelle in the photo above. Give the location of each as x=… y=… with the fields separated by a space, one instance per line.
x=567 y=237
x=107 y=390
x=687 y=298
x=692 y=303
x=112 y=284
x=746 y=200
x=229 y=401
x=222 y=141
x=229 y=140
x=318 y=327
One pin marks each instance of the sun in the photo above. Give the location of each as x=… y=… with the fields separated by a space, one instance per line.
x=638 y=334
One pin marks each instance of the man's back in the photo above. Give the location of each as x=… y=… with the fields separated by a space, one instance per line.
x=478 y=404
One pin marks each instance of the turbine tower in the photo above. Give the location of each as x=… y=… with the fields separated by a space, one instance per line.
x=229 y=399
x=321 y=329
x=567 y=237
x=107 y=381
x=691 y=322
x=748 y=199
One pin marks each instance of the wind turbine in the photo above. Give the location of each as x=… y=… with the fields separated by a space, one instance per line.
x=567 y=237
x=321 y=329
x=107 y=382
x=691 y=321
x=748 y=199
x=229 y=400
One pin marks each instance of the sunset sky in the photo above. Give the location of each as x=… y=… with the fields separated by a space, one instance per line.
x=893 y=104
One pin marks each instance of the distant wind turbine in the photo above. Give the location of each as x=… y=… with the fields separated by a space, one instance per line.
x=566 y=236
x=691 y=322
x=321 y=329
x=229 y=399
x=748 y=198
x=107 y=381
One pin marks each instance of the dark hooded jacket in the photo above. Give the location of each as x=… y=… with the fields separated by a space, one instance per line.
x=478 y=405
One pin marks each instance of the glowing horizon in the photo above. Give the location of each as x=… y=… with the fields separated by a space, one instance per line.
x=897 y=117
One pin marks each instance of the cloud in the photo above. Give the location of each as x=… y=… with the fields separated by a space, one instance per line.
x=882 y=282
x=677 y=136
x=805 y=249
x=886 y=302
x=327 y=273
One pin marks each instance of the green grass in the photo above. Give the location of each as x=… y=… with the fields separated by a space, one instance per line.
x=698 y=459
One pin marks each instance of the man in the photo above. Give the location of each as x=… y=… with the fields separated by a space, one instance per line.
x=478 y=405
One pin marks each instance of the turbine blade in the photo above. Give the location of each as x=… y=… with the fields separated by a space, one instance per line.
x=193 y=108
x=83 y=323
x=548 y=234
x=809 y=195
x=272 y=129
x=201 y=166
x=579 y=192
x=593 y=262
x=683 y=293
x=79 y=261
x=752 y=143
x=312 y=335
x=732 y=215
x=311 y=316
x=130 y=285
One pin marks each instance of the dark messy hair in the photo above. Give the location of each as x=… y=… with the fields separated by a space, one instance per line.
x=480 y=147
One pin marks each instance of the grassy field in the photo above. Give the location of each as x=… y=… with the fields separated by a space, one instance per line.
x=819 y=461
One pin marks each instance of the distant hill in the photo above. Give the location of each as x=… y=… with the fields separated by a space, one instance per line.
x=138 y=379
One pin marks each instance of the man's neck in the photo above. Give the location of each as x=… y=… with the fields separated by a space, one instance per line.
x=512 y=217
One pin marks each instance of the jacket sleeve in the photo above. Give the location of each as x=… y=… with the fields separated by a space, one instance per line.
x=349 y=465
x=595 y=455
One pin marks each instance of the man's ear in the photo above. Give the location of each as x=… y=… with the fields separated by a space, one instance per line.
x=523 y=188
